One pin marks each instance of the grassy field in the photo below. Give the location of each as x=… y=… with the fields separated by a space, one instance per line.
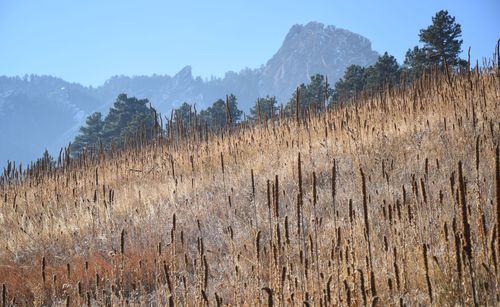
x=388 y=200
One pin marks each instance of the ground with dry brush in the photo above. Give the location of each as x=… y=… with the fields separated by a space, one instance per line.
x=389 y=200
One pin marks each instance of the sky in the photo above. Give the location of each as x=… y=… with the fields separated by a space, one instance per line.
x=88 y=41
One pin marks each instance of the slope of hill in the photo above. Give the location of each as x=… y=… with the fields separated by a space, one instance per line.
x=393 y=200
x=306 y=50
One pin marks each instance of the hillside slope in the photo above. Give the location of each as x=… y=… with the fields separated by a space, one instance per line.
x=392 y=200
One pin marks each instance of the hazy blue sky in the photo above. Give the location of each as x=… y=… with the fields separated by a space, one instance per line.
x=89 y=41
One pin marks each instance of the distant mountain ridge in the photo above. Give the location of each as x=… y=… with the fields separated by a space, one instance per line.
x=39 y=112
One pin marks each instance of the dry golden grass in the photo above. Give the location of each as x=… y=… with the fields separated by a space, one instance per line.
x=390 y=200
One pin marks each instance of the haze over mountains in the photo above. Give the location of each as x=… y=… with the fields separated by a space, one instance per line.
x=38 y=112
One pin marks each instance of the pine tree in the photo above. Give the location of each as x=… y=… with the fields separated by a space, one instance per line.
x=183 y=115
x=141 y=124
x=46 y=162
x=385 y=71
x=312 y=95
x=232 y=106
x=125 y=118
x=89 y=135
x=216 y=116
x=441 y=45
x=441 y=40
x=265 y=108
x=354 y=81
x=415 y=61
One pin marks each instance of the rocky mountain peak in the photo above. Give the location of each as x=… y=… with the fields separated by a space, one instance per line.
x=310 y=49
x=186 y=73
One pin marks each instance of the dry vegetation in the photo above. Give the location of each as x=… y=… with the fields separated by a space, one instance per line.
x=390 y=200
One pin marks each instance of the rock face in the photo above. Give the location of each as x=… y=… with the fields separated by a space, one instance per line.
x=312 y=49
x=39 y=112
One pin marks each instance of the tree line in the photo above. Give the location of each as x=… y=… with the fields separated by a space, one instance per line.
x=440 y=46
